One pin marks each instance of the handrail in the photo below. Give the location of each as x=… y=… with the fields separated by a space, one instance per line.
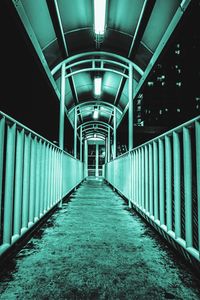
x=35 y=175
x=161 y=180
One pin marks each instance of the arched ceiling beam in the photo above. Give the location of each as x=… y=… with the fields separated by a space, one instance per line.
x=92 y=103
x=93 y=130
x=95 y=126
x=95 y=122
x=100 y=137
x=97 y=53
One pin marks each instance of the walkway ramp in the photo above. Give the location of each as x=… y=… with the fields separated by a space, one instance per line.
x=96 y=248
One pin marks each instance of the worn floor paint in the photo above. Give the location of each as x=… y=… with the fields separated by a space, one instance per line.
x=95 y=248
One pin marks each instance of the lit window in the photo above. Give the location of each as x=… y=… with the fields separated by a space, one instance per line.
x=179 y=83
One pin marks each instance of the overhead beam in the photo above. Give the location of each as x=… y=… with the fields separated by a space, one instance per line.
x=171 y=28
x=141 y=26
x=57 y=24
x=26 y=26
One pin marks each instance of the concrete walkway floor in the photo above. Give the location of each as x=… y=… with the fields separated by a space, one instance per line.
x=95 y=248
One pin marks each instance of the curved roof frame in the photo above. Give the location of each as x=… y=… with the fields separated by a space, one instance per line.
x=96 y=103
x=99 y=136
x=115 y=58
x=97 y=123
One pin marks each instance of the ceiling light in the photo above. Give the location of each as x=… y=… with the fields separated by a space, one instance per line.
x=96 y=114
x=97 y=86
x=99 y=16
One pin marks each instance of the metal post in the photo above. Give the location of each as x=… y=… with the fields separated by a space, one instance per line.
x=32 y=181
x=130 y=109
x=146 y=206
x=106 y=150
x=26 y=181
x=62 y=108
x=108 y=147
x=177 y=184
x=197 y=137
x=81 y=146
x=142 y=180
x=161 y=182
x=18 y=183
x=114 y=133
x=168 y=176
x=97 y=160
x=86 y=158
x=187 y=162
x=155 y=180
x=75 y=133
x=150 y=180
x=9 y=184
x=2 y=133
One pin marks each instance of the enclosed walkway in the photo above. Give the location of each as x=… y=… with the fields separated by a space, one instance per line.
x=95 y=247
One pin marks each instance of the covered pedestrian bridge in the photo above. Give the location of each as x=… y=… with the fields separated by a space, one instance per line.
x=96 y=57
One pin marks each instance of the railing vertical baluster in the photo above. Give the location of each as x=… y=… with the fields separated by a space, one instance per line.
x=139 y=171
x=142 y=181
x=46 y=178
x=131 y=179
x=54 y=171
x=197 y=138
x=2 y=134
x=26 y=181
x=140 y=184
x=187 y=186
x=61 y=172
x=168 y=176
x=150 y=180
x=56 y=176
x=17 y=217
x=38 y=180
x=161 y=182
x=32 y=181
x=177 y=183
x=42 y=179
x=155 y=179
x=9 y=184
x=49 y=180
x=146 y=180
x=138 y=176
x=134 y=177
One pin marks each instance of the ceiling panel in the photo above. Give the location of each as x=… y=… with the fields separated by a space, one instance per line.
x=38 y=15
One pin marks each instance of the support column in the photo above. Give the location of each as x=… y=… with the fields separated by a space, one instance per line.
x=62 y=108
x=130 y=109
x=114 y=133
x=108 y=145
x=97 y=160
x=75 y=133
x=106 y=150
x=85 y=158
x=81 y=146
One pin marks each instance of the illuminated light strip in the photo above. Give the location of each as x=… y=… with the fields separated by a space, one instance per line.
x=99 y=16
x=97 y=86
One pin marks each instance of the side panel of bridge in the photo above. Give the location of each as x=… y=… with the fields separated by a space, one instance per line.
x=34 y=177
x=161 y=179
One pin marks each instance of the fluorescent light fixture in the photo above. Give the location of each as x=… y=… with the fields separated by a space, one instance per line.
x=96 y=114
x=99 y=16
x=97 y=86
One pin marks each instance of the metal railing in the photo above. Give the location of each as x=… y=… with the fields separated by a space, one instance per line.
x=34 y=176
x=161 y=179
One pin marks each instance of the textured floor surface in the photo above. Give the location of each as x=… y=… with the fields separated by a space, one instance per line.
x=95 y=248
